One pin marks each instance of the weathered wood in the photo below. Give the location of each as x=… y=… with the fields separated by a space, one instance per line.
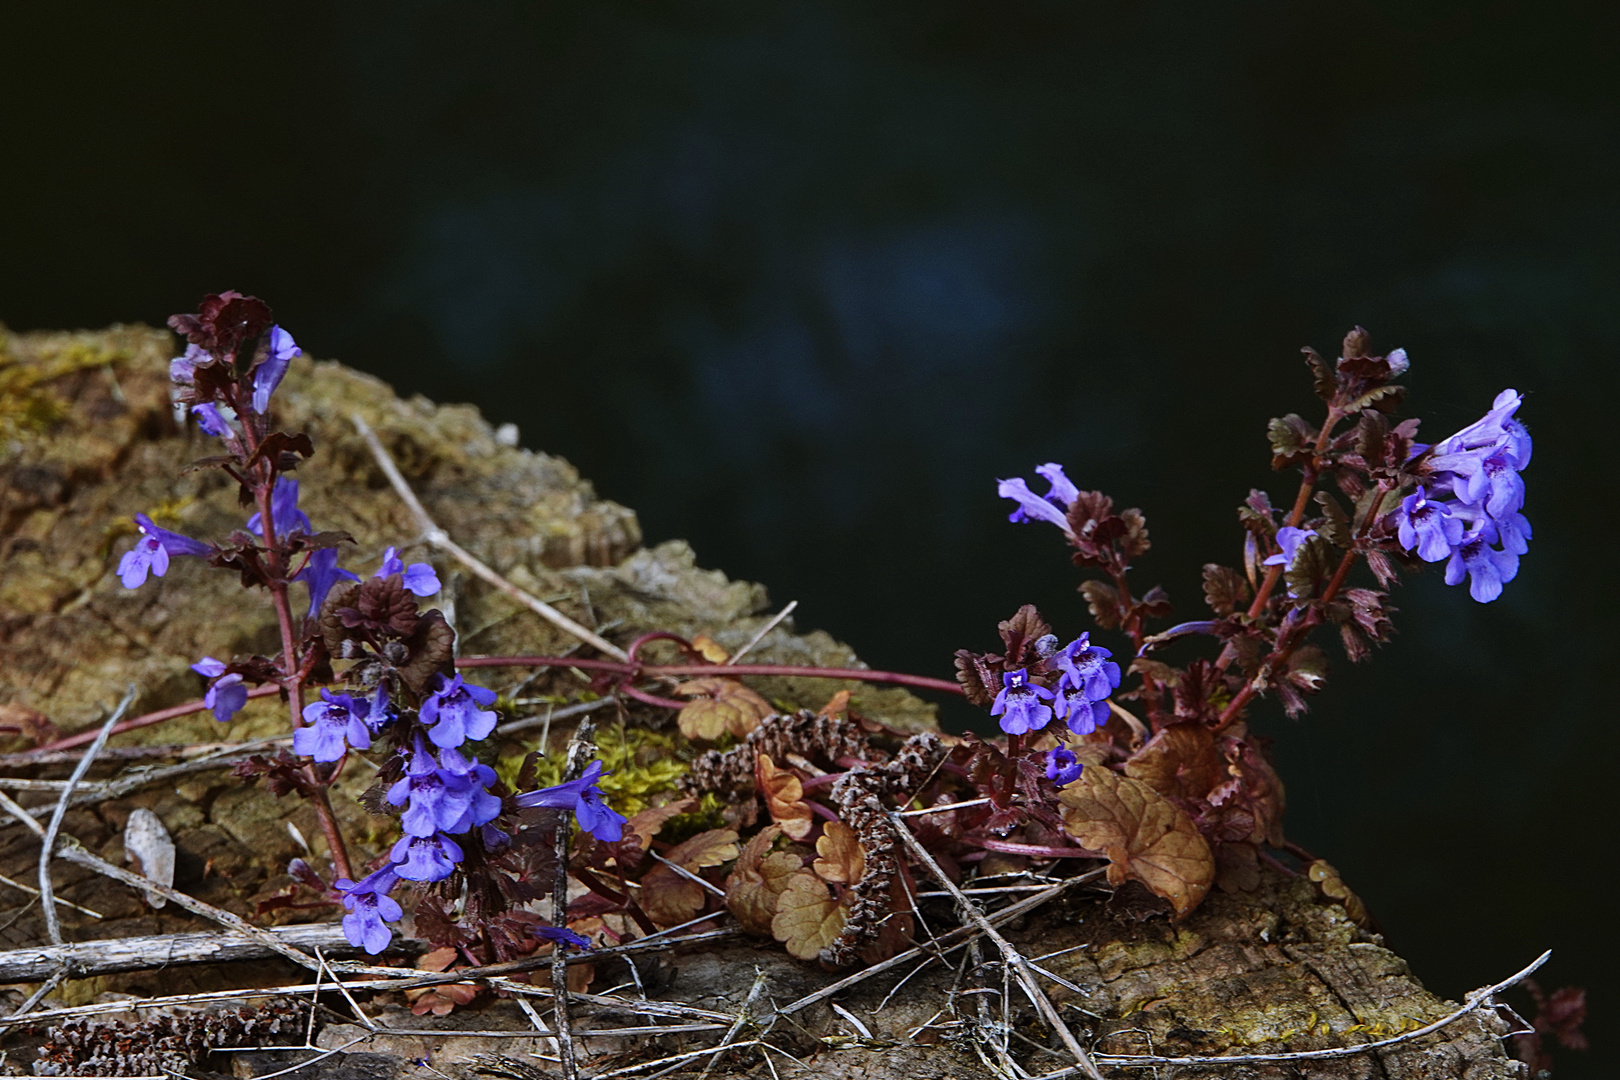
x=143 y=953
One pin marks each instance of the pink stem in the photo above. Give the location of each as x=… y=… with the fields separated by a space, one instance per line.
x=1033 y=850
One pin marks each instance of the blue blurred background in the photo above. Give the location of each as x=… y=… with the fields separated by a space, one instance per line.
x=798 y=282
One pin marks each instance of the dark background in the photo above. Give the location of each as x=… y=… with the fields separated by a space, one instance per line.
x=799 y=281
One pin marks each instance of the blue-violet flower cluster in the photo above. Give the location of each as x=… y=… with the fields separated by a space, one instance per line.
x=1468 y=512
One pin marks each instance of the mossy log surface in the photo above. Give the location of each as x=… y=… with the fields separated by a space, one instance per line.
x=88 y=437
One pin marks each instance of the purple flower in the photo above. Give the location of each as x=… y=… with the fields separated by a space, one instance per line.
x=1486 y=568
x=425 y=858
x=1052 y=507
x=210 y=420
x=1019 y=703
x=454 y=712
x=183 y=369
x=1290 y=540
x=284 y=512
x=562 y=936
x=320 y=573
x=418 y=577
x=369 y=906
x=1427 y=527
x=151 y=552
x=227 y=695
x=1082 y=714
x=332 y=725
x=1062 y=767
x=1087 y=667
x=584 y=798
x=274 y=368
x=474 y=777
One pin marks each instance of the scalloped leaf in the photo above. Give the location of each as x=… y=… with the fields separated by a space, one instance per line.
x=784 y=797
x=808 y=917
x=721 y=707
x=1145 y=836
x=841 y=858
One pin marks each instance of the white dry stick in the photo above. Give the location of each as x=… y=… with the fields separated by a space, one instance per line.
x=441 y=539
x=742 y=1018
x=1015 y=960
x=31 y=891
x=39 y=995
x=53 y=926
x=759 y=637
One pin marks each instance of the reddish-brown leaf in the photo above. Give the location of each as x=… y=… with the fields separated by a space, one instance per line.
x=758 y=879
x=784 y=797
x=1145 y=836
x=720 y=707
x=808 y=917
x=1181 y=761
x=840 y=858
x=645 y=825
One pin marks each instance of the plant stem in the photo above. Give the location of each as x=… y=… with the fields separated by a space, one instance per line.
x=1297 y=514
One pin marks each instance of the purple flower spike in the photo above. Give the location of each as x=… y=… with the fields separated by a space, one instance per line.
x=151 y=552
x=584 y=798
x=274 y=368
x=454 y=712
x=183 y=369
x=320 y=574
x=209 y=419
x=1062 y=767
x=429 y=858
x=1020 y=704
x=284 y=512
x=331 y=727
x=1290 y=540
x=369 y=906
x=418 y=578
x=563 y=937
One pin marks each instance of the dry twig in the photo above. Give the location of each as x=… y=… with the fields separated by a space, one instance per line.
x=53 y=926
x=441 y=539
x=1014 y=959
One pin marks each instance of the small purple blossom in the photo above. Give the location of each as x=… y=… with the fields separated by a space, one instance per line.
x=284 y=512
x=425 y=858
x=269 y=374
x=445 y=795
x=210 y=420
x=227 y=695
x=1019 y=704
x=1053 y=507
x=584 y=798
x=454 y=713
x=418 y=578
x=563 y=937
x=475 y=778
x=151 y=552
x=183 y=369
x=1427 y=528
x=1062 y=767
x=1290 y=540
x=332 y=725
x=369 y=907
x=1087 y=668
x=320 y=574
x=1486 y=568
x=1082 y=714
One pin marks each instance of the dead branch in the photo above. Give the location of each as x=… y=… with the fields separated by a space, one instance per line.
x=105 y=957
